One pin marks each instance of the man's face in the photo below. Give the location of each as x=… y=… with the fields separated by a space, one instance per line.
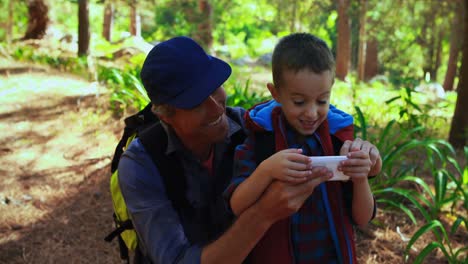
x=305 y=99
x=206 y=123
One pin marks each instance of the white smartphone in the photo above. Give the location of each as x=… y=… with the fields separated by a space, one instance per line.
x=331 y=162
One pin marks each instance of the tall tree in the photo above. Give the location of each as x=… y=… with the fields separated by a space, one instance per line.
x=433 y=30
x=455 y=45
x=343 y=48
x=108 y=22
x=292 y=25
x=135 y=19
x=362 y=40
x=459 y=128
x=371 y=68
x=38 y=19
x=83 y=28
x=204 y=33
x=9 y=27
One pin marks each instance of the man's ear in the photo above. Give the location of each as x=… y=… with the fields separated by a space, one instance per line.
x=160 y=116
x=274 y=93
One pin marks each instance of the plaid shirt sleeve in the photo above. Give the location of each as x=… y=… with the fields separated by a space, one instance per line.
x=244 y=166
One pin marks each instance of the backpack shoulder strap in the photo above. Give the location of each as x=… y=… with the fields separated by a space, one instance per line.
x=133 y=123
x=154 y=139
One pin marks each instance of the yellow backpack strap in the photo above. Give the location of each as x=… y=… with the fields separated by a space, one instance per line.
x=124 y=227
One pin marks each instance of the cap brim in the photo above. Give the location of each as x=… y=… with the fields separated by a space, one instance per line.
x=218 y=72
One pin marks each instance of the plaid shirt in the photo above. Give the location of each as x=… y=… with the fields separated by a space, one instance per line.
x=310 y=230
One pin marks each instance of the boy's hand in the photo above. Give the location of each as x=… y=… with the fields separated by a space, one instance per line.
x=357 y=166
x=365 y=146
x=288 y=165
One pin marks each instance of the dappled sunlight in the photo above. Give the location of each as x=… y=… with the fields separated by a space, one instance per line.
x=57 y=138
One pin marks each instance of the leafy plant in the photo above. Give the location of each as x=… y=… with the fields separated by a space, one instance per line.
x=243 y=96
x=442 y=243
x=127 y=89
x=409 y=111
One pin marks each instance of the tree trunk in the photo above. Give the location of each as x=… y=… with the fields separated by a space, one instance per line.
x=108 y=20
x=455 y=43
x=429 y=45
x=135 y=20
x=292 y=26
x=371 y=68
x=83 y=28
x=9 y=29
x=205 y=30
x=38 y=19
x=362 y=40
x=459 y=129
x=437 y=56
x=343 y=48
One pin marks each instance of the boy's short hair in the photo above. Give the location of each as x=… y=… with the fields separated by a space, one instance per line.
x=301 y=51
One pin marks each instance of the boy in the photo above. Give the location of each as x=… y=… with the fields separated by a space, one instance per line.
x=304 y=124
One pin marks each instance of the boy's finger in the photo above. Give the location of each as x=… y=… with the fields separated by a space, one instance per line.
x=366 y=146
x=355 y=162
x=292 y=150
x=356 y=145
x=374 y=155
x=355 y=169
x=298 y=166
x=298 y=173
x=299 y=158
x=345 y=148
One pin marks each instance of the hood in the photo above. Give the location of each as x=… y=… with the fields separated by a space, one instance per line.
x=259 y=117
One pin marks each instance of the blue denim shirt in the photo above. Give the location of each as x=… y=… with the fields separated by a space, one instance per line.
x=160 y=232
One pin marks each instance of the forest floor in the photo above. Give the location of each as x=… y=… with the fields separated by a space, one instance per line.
x=58 y=137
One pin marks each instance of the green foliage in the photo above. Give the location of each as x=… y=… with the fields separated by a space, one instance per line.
x=243 y=96
x=402 y=154
x=442 y=243
x=175 y=18
x=127 y=91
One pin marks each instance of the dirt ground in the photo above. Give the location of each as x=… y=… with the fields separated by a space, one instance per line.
x=55 y=207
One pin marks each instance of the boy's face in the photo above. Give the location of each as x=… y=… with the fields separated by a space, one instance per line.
x=305 y=98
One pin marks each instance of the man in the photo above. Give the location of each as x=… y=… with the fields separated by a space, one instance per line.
x=195 y=158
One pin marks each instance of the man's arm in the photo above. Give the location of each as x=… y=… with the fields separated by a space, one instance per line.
x=279 y=200
x=159 y=229
x=162 y=234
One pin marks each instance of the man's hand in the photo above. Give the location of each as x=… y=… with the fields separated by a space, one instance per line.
x=282 y=199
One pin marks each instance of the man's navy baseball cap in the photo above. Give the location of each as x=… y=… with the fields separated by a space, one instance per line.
x=178 y=72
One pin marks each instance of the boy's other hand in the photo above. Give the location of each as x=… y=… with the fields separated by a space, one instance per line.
x=365 y=146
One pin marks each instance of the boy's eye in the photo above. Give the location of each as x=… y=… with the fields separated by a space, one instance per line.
x=298 y=102
x=322 y=102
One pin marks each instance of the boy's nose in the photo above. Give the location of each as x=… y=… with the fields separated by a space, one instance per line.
x=311 y=113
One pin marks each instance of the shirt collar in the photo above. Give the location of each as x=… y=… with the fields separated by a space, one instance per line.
x=174 y=144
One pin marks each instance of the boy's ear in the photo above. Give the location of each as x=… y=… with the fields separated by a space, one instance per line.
x=274 y=93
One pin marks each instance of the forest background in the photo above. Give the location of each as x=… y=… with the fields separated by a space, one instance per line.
x=402 y=71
